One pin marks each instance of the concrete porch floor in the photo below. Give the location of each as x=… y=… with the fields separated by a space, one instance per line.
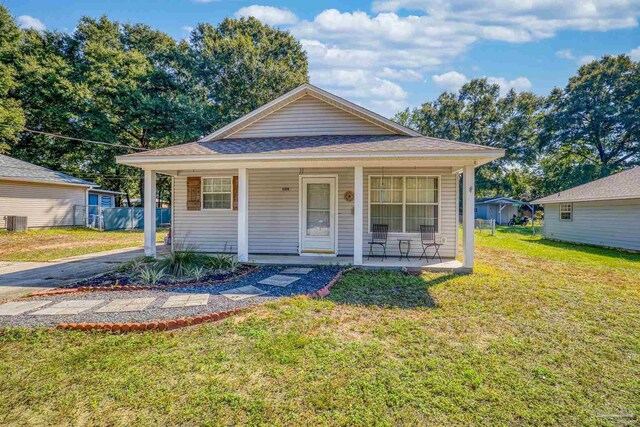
x=447 y=265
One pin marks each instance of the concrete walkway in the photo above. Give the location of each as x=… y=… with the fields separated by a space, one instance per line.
x=19 y=278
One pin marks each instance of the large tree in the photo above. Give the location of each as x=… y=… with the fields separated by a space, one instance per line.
x=11 y=114
x=478 y=114
x=592 y=126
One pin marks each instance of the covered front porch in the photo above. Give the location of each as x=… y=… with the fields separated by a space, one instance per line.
x=267 y=217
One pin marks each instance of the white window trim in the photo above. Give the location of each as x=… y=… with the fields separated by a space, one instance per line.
x=570 y=211
x=202 y=193
x=404 y=201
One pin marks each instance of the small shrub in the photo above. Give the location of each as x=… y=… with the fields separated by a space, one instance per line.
x=197 y=273
x=180 y=262
x=152 y=275
x=220 y=262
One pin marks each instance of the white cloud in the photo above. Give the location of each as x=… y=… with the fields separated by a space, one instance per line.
x=518 y=84
x=586 y=59
x=635 y=54
x=450 y=81
x=453 y=81
x=565 y=54
x=533 y=18
x=26 y=21
x=268 y=14
x=187 y=28
x=404 y=75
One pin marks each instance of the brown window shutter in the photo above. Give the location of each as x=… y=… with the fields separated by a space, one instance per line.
x=194 y=193
x=235 y=193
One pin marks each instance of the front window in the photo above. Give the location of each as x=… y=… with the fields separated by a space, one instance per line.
x=404 y=203
x=566 y=211
x=216 y=193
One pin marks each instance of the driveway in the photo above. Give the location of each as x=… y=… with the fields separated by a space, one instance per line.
x=19 y=278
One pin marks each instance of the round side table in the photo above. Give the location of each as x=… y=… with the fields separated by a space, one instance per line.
x=407 y=244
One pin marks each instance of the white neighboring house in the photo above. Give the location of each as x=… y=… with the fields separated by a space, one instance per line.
x=47 y=198
x=307 y=175
x=604 y=212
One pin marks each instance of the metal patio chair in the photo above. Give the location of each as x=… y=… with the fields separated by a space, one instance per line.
x=428 y=238
x=379 y=237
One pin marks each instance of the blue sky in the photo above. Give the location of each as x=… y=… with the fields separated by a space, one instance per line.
x=390 y=54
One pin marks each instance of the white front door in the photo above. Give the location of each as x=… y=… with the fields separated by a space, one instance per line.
x=318 y=216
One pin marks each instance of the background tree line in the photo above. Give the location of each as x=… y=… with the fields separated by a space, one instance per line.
x=134 y=85
x=588 y=130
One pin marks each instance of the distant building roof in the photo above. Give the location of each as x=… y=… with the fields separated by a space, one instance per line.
x=18 y=170
x=623 y=185
x=498 y=199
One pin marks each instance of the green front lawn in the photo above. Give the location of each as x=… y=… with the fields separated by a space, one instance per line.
x=53 y=243
x=542 y=334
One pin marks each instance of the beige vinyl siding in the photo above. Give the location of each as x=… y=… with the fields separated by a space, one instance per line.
x=206 y=230
x=274 y=213
x=447 y=219
x=309 y=116
x=610 y=223
x=45 y=205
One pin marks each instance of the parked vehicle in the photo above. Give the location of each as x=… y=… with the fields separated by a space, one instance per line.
x=519 y=221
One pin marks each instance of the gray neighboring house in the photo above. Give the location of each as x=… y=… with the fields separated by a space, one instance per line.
x=605 y=212
x=499 y=208
x=47 y=198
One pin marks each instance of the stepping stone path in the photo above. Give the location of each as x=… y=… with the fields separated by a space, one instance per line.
x=19 y=307
x=128 y=304
x=297 y=270
x=278 y=280
x=69 y=307
x=238 y=294
x=187 y=300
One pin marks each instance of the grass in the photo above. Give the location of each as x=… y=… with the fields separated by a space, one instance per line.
x=542 y=334
x=54 y=243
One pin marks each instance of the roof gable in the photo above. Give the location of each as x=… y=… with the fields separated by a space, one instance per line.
x=307 y=111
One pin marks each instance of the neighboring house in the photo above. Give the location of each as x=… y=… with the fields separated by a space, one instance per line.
x=603 y=212
x=501 y=209
x=47 y=198
x=308 y=174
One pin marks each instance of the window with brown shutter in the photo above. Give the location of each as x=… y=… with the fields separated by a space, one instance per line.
x=194 y=193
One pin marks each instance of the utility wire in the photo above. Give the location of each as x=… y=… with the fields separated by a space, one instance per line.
x=53 y=135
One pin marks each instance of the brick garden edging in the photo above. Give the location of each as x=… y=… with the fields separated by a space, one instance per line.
x=171 y=324
x=63 y=291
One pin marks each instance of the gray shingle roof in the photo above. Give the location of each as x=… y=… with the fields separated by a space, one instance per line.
x=14 y=169
x=324 y=144
x=623 y=185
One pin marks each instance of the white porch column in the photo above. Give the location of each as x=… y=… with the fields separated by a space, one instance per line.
x=149 y=213
x=243 y=215
x=357 y=215
x=468 y=205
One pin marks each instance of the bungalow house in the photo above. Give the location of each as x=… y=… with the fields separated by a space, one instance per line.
x=47 y=198
x=309 y=174
x=500 y=209
x=602 y=212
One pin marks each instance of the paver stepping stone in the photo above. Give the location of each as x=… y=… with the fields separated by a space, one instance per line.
x=69 y=307
x=127 y=304
x=238 y=294
x=296 y=270
x=19 y=307
x=279 y=280
x=186 y=300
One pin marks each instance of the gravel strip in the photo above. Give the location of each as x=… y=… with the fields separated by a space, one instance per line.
x=308 y=283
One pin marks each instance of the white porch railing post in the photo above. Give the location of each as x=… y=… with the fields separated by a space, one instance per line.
x=243 y=215
x=149 y=213
x=357 y=214
x=468 y=200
